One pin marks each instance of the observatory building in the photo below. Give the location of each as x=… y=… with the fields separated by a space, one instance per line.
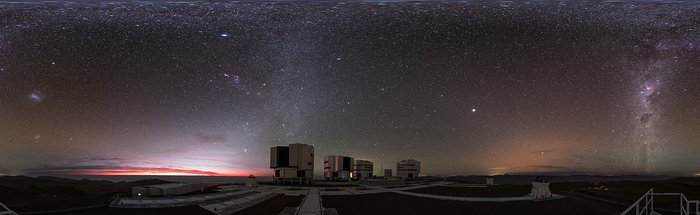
x=540 y=189
x=337 y=168
x=489 y=181
x=408 y=169
x=362 y=169
x=293 y=163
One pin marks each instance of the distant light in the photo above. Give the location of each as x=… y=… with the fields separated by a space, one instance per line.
x=473 y=110
x=224 y=35
x=36 y=96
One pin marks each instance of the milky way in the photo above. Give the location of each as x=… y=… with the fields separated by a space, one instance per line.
x=652 y=78
x=464 y=87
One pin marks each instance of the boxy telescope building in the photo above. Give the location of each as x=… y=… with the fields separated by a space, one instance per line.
x=293 y=163
x=408 y=169
x=337 y=168
x=362 y=169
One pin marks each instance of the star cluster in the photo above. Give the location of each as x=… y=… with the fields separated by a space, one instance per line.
x=464 y=87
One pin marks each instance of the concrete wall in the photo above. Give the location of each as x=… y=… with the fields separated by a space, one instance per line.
x=301 y=156
x=146 y=191
x=182 y=189
x=167 y=189
x=273 y=157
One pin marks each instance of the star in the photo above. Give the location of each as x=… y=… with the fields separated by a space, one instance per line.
x=289 y=73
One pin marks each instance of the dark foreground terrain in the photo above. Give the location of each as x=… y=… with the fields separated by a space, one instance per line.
x=271 y=206
x=28 y=194
x=391 y=203
x=505 y=190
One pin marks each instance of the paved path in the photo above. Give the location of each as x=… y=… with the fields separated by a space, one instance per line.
x=237 y=204
x=468 y=185
x=4 y=210
x=405 y=191
x=440 y=183
x=464 y=199
x=312 y=203
x=356 y=191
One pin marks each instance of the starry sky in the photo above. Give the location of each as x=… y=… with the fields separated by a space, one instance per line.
x=206 y=88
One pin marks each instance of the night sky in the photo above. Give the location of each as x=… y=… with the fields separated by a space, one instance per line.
x=466 y=88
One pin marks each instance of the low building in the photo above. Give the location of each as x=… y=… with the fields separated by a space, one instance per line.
x=489 y=180
x=293 y=163
x=408 y=169
x=251 y=182
x=362 y=169
x=540 y=189
x=387 y=173
x=170 y=189
x=337 y=168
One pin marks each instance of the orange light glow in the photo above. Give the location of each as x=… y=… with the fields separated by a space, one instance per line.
x=143 y=171
x=127 y=170
x=498 y=170
x=535 y=152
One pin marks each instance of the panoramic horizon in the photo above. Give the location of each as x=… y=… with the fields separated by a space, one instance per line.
x=466 y=88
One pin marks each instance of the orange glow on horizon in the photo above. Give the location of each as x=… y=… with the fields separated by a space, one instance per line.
x=152 y=171
x=532 y=151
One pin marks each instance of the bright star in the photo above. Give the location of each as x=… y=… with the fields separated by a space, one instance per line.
x=473 y=110
x=224 y=35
